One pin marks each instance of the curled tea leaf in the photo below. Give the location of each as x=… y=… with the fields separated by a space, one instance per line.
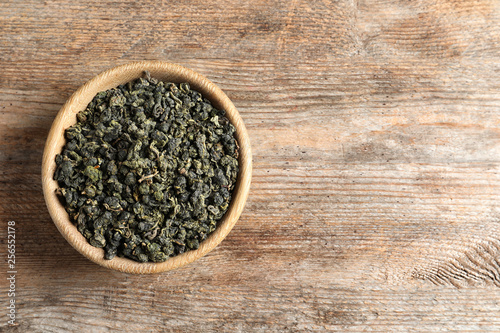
x=148 y=170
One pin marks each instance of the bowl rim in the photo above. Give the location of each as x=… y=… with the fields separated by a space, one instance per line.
x=67 y=116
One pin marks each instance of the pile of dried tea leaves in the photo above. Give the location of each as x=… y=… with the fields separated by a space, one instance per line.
x=148 y=170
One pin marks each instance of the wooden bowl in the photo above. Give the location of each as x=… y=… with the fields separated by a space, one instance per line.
x=66 y=117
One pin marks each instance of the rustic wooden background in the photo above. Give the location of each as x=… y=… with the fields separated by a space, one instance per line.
x=375 y=128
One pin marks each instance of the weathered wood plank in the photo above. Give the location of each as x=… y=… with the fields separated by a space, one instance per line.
x=375 y=130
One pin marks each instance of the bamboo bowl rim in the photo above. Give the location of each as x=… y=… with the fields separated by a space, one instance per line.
x=67 y=116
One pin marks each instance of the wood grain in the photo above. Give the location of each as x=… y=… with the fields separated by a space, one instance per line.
x=375 y=131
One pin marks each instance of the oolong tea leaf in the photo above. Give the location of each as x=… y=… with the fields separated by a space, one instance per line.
x=148 y=170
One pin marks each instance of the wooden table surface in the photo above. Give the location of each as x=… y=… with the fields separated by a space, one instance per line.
x=375 y=129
